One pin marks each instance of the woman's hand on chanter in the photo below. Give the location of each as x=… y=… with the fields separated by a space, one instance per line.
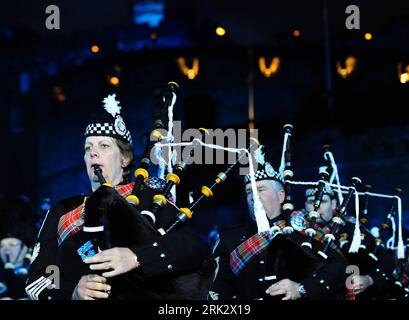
x=118 y=260
x=91 y=287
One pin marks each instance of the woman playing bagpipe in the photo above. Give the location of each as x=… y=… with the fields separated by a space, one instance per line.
x=101 y=246
x=265 y=259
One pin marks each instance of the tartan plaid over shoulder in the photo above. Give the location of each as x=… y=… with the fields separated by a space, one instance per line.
x=259 y=242
x=253 y=246
x=72 y=222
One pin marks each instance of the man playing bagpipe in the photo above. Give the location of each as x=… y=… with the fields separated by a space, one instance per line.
x=100 y=246
x=272 y=263
x=371 y=281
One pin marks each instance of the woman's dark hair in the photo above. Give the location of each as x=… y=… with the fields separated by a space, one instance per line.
x=127 y=151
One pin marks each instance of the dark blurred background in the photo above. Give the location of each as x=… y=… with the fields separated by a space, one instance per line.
x=349 y=88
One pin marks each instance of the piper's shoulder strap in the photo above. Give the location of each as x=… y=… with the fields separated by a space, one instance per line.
x=72 y=221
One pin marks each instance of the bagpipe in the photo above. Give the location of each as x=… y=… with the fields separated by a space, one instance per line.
x=348 y=232
x=338 y=219
x=147 y=215
x=368 y=256
x=173 y=179
x=398 y=285
x=110 y=220
x=163 y=104
x=385 y=226
x=294 y=252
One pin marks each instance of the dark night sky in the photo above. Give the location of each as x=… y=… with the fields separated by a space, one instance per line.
x=265 y=25
x=248 y=22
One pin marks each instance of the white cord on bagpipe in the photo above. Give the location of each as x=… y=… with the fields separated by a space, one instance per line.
x=259 y=212
x=334 y=174
x=162 y=163
x=390 y=243
x=356 y=240
x=171 y=152
x=282 y=163
x=401 y=247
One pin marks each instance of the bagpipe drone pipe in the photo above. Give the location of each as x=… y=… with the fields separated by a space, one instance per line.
x=364 y=257
x=121 y=223
x=371 y=256
x=164 y=102
x=292 y=253
x=293 y=261
x=110 y=221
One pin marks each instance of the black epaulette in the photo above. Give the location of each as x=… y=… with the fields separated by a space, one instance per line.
x=232 y=231
x=235 y=227
x=69 y=204
x=62 y=207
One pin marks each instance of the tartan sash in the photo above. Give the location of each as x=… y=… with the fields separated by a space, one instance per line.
x=259 y=242
x=320 y=231
x=251 y=247
x=72 y=222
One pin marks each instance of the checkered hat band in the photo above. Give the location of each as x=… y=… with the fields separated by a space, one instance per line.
x=310 y=192
x=106 y=129
x=262 y=175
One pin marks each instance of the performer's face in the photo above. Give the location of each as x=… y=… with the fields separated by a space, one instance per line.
x=12 y=250
x=271 y=197
x=105 y=153
x=326 y=209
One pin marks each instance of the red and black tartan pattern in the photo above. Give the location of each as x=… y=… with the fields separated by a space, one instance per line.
x=256 y=244
x=320 y=234
x=72 y=222
x=253 y=246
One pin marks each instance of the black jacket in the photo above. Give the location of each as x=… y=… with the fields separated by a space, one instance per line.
x=12 y=284
x=326 y=281
x=163 y=258
x=380 y=270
